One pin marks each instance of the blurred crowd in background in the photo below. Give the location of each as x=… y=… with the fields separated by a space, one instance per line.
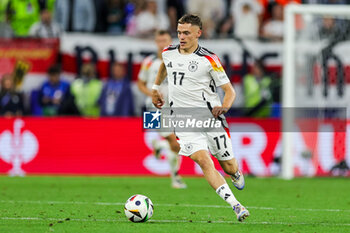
x=85 y=96
x=88 y=96
x=247 y=19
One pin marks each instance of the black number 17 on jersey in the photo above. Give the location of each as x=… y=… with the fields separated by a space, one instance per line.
x=181 y=74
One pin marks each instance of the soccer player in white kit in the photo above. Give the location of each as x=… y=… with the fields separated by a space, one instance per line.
x=146 y=77
x=193 y=74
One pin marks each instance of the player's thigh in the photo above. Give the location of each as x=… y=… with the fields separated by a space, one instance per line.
x=220 y=145
x=191 y=142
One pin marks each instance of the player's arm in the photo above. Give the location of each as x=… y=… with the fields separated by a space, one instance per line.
x=142 y=85
x=143 y=77
x=157 y=98
x=229 y=98
x=220 y=78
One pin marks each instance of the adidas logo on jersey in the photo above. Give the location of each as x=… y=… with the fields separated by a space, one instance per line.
x=170 y=65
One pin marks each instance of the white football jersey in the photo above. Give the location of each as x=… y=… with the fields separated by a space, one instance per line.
x=193 y=78
x=148 y=74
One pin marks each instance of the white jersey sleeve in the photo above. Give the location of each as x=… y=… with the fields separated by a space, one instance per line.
x=216 y=70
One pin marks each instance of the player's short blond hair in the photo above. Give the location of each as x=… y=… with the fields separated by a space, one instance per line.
x=192 y=19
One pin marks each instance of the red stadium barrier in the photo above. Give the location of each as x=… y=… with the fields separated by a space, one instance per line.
x=118 y=146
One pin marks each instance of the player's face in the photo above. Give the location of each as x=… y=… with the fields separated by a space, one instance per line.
x=163 y=41
x=188 y=35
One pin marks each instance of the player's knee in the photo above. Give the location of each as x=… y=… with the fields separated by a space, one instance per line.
x=205 y=163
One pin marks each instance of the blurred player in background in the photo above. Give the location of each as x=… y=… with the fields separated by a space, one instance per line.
x=195 y=75
x=146 y=77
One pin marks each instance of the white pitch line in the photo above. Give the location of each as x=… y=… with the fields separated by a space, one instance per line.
x=171 y=221
x=168 y=205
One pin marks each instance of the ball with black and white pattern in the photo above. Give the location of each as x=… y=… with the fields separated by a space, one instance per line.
x=138 y=208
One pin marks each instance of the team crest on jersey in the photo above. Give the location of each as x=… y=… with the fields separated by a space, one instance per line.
x=193 y=66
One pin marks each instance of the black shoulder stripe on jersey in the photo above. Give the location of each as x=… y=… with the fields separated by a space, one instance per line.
x=203 y=52
x=197 y=49
x=206 y=50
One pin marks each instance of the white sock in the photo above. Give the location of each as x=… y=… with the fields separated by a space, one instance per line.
x=173 y=160
x=226 y=194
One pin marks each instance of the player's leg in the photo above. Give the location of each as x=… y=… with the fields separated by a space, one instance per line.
x=231 y=168
x=213 y=177
x=217 y=181
x=195 y=145
x=173 y=159
x=220 y=146
x=158 y=145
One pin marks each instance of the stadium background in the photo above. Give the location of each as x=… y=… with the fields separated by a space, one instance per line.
x=83 y=145
x=80 y=169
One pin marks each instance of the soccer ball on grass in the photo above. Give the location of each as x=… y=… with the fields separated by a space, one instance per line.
x=138 y=208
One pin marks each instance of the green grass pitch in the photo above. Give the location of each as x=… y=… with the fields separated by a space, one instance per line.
x=95 y=204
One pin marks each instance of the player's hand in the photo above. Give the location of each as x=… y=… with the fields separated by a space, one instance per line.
x=218 y=110
x=157 y=99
